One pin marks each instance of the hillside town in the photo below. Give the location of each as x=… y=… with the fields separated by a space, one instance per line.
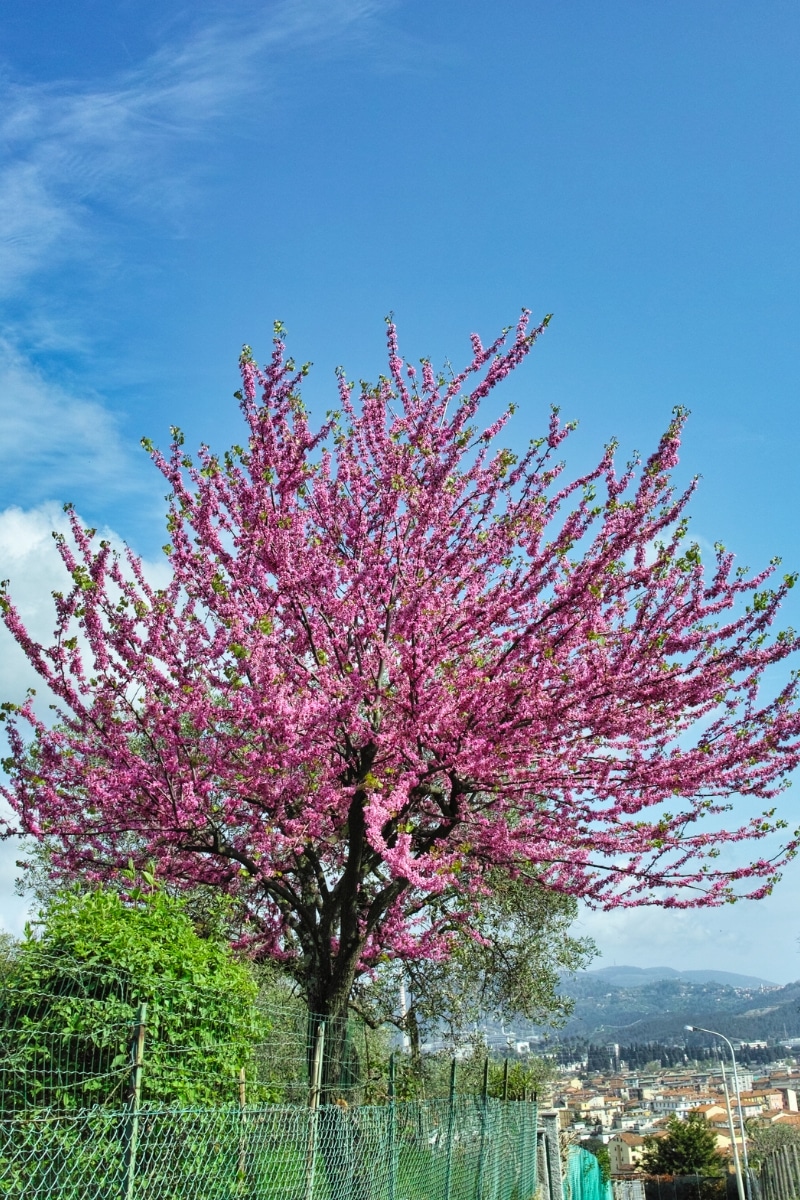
x=623 y=1107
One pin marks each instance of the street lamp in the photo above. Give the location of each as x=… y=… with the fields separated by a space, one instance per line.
x=736 y=1166
x=716 y=1033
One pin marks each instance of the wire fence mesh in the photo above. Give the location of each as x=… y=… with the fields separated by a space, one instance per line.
x=65 y=1044
x=422 y=1150
x=93 y=1090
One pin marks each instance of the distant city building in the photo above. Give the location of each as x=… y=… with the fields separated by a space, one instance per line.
x=625 y=1152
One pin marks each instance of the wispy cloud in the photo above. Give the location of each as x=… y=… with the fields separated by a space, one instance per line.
x=52 y=440
x=82 y=165
x=71 y=152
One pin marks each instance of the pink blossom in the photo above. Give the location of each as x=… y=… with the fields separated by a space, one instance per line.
x=392 y=655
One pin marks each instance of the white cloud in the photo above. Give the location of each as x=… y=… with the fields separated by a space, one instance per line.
x=750 y=938
x=14 y=910
x=29 y=559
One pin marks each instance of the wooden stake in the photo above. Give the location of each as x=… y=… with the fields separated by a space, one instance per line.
x=313 y=1100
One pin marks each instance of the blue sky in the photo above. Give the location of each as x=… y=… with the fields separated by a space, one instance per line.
x=174 y=177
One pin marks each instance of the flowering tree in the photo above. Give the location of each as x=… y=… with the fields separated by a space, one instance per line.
x=394 y=657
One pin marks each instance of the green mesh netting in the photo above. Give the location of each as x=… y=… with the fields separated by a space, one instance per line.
x=584 y=1179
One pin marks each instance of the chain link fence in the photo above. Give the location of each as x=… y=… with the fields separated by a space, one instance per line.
x=309 y=1113
x=424 y=1150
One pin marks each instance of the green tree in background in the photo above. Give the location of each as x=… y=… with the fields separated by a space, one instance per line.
x=764 y=1138
x=509 y=962
x=522 y=1081
x=599 y=1149
x=689 y=1148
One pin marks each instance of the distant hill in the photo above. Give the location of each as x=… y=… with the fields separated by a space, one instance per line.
x=634 y=1005
x=631 y=977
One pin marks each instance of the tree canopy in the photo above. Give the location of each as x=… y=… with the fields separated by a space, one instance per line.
x=511 y=964
x=765 y=1137
x=689 y=1148
x=394 y=655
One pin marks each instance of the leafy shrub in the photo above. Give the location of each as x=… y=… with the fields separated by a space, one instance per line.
x=70 y=994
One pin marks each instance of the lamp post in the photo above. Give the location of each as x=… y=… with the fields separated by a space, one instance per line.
x=729 y=1044
x=737 y=1168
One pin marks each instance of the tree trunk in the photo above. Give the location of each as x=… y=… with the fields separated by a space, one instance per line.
x=339 y=1067
x=348 y=1159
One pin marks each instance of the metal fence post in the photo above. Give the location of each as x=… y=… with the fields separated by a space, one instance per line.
x=484 y=1121
x=524 y=1182
x=392 y=1132
x=131 y=1132
x=242 y=1163
x=451 y=1120
x=316 y=1088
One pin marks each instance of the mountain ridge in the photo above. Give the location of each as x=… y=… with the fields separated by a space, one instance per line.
x=662 y=1001
x=628 y=976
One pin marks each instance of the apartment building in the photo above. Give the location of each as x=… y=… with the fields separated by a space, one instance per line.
x=625 y=1152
